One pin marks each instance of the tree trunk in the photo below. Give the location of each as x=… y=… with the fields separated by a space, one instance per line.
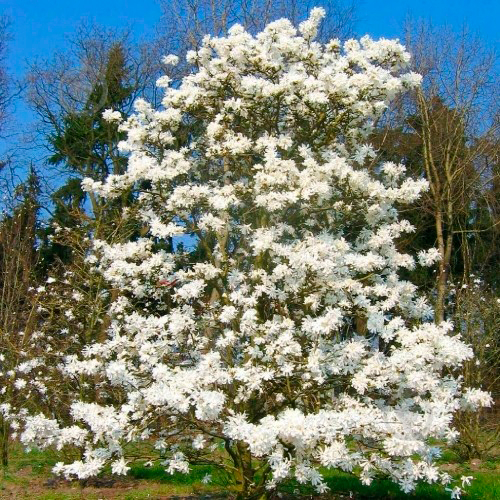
x=250 y=487
x=4 y=442
x=445 y=245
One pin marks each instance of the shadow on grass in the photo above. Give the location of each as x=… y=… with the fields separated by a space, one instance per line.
x=340 y=483
x=218 y=479
x=157 y=473
x=485 y=486
x=348 y=486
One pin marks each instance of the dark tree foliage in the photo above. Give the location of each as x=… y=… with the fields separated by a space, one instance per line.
x=473 y=225
x=86 y=146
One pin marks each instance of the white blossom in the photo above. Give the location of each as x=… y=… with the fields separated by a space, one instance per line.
x=171 y=60
x=112 y=116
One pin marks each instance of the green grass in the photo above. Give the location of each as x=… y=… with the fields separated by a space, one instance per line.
x=340 y=482
x=26 y=469
x=485 y=486
x=219 y=480
x=157 y=473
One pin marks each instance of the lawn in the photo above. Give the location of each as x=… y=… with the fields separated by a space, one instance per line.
x=29 y=477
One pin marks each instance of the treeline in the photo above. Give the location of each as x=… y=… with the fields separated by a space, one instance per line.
x=52 y=303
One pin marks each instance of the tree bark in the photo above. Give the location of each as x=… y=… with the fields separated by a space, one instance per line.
x=4 y=442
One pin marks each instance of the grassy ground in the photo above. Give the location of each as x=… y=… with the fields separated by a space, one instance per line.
x=29 y=477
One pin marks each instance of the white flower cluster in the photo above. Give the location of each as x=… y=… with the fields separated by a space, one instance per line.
x=112 y=116
x=295 y=337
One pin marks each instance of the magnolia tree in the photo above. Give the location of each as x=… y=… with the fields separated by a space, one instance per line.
x=292 y=343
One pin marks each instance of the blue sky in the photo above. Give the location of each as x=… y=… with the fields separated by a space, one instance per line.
x=384 y=18
x=40 y=26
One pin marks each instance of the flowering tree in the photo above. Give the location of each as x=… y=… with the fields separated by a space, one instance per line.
x=292 y=343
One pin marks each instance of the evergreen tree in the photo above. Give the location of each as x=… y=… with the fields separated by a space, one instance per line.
x=86 y=145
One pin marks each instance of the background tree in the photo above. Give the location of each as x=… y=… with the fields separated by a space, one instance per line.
x=456 y=125
x=5 y=80
x=477 y=315
x=10 y=176
x=70 y=96
x=184 y=23
x=447 y=132
x=18 y=259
